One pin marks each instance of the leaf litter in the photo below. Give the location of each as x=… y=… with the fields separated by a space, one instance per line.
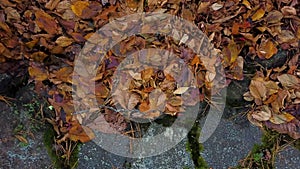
x=50 y=34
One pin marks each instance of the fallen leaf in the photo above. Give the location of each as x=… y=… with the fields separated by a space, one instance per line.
x=64 y=41
x=258 y=89
x=291 y=128
x=38 y=73
x=21 y=138
x=246 y=3
x=258 y=14
x=274 y=17
x=216 y=6
x=262 y=115
x=181 y=90
x=289 y=81
x=79 y=6
x=80 y=133
x=46 y=22
x=281 y=118
x=286 y=36
x=288 y=10
x=266 y=49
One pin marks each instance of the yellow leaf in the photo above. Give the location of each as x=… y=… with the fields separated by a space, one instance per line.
x=79 y=6
x=230 y=53
x=247 y=4
x=258 y=14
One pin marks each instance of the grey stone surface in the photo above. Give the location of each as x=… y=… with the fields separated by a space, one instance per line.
x=93 y=156
x=13 y=153
x=288 y=158
x=230 y=143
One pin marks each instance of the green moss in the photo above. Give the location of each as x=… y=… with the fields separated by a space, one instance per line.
x=58 y=159
x=194 y=147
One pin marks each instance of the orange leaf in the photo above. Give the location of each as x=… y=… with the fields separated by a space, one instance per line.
x=37 y=73
x=81 y=133
x=235 y=28
x=79 y=6
x=266 y=49
x=144 y=106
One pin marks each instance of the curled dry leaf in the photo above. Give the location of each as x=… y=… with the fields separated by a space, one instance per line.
x=262 y=115
x=81 y=133
x=288 y=10
x=248 y=97
x=21 y=138
x=289 y=81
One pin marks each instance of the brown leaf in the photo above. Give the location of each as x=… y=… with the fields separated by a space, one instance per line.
x=46 y=22
x=81 y=133
x=38 y=73
x=291 y=128
x=257 y=89
x=279 y=102
x=247 y=4
x=38 y=56
x=21 y=138
x=146 y=74
x=286 y=36
x=51 y=4
x=102 y=91
x=289 y=81
x=64 y=41
x=144 y=106
x=274 y=17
